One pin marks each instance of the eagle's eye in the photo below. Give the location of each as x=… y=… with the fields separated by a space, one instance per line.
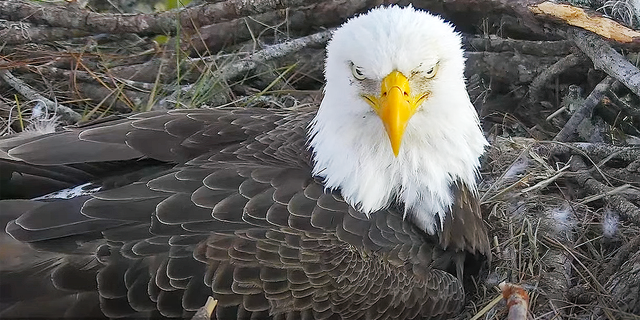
x=431 y=72
x=357 y=72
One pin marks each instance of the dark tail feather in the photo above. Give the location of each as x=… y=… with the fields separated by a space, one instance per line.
x=45 y=284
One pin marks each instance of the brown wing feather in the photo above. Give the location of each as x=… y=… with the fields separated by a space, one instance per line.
x=243 y=221
x=463 y=228
x=173 y=136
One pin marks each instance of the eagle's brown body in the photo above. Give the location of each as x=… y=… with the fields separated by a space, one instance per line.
x=213 y=202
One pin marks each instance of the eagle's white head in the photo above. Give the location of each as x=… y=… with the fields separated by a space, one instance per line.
x=396 y=123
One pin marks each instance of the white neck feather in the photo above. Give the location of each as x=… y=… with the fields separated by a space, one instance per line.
x=353 y=154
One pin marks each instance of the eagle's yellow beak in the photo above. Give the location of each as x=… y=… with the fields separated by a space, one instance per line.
x=395 y=106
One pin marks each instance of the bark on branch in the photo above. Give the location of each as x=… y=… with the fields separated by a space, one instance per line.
x=160 y=23
x=607 y=59
x=580 y=18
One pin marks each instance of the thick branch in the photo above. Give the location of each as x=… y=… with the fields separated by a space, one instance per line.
x=528 y=47
x=22 y=32
x=597 y=151
x=161 y=23
x=607 y=59
x=579 y=17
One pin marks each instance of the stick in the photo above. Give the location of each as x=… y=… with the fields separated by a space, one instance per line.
x=157 y=23
x=606 y=58
x=579 y=17
x=557 y=68
x=66 y=114
x=272 y=52
x=597 y=151
x=589 y=104
x=626 y=209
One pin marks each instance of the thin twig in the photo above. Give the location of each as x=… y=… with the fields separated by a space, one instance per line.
x=66 y=114
x=626 y=209
x=272 y=52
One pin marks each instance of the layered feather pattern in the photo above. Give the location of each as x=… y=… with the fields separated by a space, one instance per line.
x=237 y=216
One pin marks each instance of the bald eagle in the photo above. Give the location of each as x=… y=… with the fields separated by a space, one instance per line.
x=363 y=208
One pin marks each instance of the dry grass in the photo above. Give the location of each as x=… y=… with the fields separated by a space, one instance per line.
x=558 y=248
x=625 y=11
